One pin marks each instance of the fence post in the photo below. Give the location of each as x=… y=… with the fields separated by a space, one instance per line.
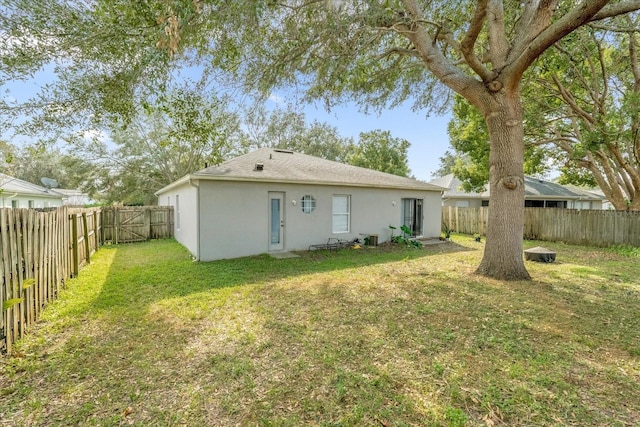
x=74 y=237
x=85 y=232
x=147 y=221
x=116 y=217
x=5 y=322
x=97 y=218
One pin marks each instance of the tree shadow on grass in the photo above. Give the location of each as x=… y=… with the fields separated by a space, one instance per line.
x=331 y=338
x=143 y=273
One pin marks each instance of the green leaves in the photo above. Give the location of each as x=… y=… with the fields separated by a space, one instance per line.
x=7 y=304
x=27 y=283
x=380 y=151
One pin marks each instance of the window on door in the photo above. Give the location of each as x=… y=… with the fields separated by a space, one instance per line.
x=341 y=213
x=412 y=215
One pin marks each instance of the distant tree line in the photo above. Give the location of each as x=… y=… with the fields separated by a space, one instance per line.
x=180 y=134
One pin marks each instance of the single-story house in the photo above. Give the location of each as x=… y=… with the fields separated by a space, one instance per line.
x=274 y=200
x=73 y=197
x=16 y=193
x=538 y=193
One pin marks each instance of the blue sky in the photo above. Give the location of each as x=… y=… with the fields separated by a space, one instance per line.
x=428 y=136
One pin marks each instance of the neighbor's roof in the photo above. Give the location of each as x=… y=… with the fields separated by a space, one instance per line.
x=534 y=188
x=10 y=185
x=291 y=167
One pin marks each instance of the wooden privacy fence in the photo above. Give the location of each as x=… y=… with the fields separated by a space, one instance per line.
x=135 y=224
x=585 y=227
x=39 y=252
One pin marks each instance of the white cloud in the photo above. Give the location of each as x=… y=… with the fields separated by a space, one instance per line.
x=276 y=99
x=94 y=135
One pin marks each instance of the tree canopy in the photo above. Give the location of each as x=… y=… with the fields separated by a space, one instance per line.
x=581 y=115
x=379 y=53
x=378 y=150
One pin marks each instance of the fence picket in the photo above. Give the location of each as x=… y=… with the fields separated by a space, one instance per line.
x=583 y=227
x=41 y=250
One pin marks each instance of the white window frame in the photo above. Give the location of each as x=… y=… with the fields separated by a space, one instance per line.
x=342 y=215
x=307 y=203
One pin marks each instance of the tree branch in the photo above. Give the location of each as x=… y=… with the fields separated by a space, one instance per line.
x=571 y=102
x=523 y=54
x=435 y=61
x=469 y=41
x=400 y=52
x=616 y=9
x=498 y=43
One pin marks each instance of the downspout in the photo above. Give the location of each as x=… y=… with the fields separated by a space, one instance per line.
x=196 y=184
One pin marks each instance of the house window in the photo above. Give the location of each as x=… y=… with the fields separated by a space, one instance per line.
x=307 y=203
x=30 y=204
x=556 y=204
x=341 y=213
x=15 y=204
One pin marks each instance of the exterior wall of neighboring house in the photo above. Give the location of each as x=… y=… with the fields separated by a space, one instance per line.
x=13 y=200
x=235 y=216
x=462 y=202
x=16 y=193
x=74 y=197
x=538 y=193
x=184 y=199
x=531 y=202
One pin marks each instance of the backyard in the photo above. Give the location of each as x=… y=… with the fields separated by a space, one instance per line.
x=376 y=336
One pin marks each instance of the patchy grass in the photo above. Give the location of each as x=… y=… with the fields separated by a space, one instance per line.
x=382 y=337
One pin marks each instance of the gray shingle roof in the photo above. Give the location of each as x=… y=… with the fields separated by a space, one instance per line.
x=534 y=189
x=286 y=166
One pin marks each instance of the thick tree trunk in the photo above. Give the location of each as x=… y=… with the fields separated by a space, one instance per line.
x=503 y=256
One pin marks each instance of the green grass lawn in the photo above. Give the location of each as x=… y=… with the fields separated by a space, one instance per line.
x=378 y=337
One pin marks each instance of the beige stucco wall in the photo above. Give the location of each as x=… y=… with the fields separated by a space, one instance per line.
x=234 y=216
x=185 y=220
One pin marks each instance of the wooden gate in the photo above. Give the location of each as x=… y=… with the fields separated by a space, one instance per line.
x=136 y=224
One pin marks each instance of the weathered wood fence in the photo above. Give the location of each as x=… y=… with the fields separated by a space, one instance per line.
x=41 y=250
x=584 y=227
x=135 y=224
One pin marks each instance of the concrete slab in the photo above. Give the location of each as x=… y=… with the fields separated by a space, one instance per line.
x=433 y=241
x=283 y=255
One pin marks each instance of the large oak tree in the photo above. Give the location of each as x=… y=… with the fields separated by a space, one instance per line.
x=581 y=113
x=384 y=52
x=377 y=52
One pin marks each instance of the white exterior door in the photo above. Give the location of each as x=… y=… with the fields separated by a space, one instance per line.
x=276 y=221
